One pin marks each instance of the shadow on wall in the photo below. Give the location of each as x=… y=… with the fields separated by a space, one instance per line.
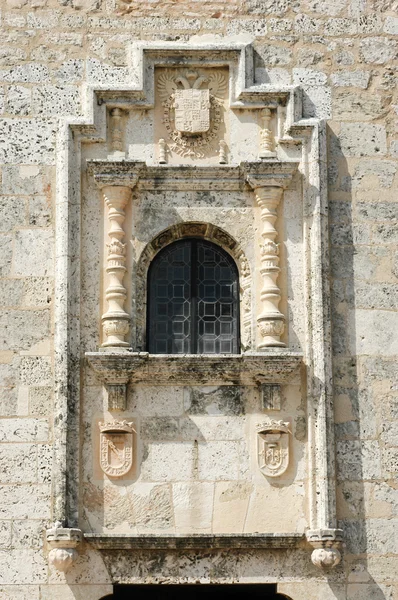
x=357 y=449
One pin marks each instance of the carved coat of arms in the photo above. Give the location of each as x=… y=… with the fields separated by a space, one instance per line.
x=192 y=109
x=273 y=447
x=116 y=448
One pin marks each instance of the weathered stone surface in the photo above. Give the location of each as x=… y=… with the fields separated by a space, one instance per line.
x=378 y=51
x=363 y=139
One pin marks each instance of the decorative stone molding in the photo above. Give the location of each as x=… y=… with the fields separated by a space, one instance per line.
x=203 y=369
x=303 y=138
x=209 y=232
x=117 y=142
x=63 y=542
x=111 y=541
x=270 y=321
x=327 y=544
x=266 y=136
x=116 y=320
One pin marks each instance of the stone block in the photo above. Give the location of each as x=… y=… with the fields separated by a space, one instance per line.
x=390 y=460
x=372 y=334
x=26 y=73
x=305 y=24
x=5 y=254
x=218 y=460
x=309 y=77
x=70 y=71
x=22 y=329
x=157 y=429
x=231 y=501
x=19 y=592
x=40 y=213
x=377 y=295
x=363 y=139
x=23 y=501
x=292 y=499
x=257 y=27
x=19 y=100
x=26 y=179
x=317 y=102
x=35 y=370
x=371 y=23
x=323 y=7
x=351 y=79
x=38 y=291
x=357 y=460
x=33 y=253
x=10 y=292
x=154 y=402
x=193 y=507
x=45 y=19
x=391 y=25
x=99 y=72
x=73 y=592
x=56 y=100
x=24 y=430
x=370 y=174
x=28 y=533
x=340 y=26
x=378 y=50
x=12 y=213
x=204 y=428
x=153 y=507
x=357 y=106
x=44 y=463
x=18 y=462
x=172 y=461
x=223 y=400
x=274 y=55
x=27 y=141
x=5 y=535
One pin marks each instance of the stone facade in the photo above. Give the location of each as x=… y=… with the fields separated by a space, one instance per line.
x=149 y=469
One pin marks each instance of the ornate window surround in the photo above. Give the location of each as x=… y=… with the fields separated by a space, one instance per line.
x=209 y=232
x=324 y=538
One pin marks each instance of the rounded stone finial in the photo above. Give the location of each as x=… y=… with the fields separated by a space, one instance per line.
x=325 y=558
x=62 y=558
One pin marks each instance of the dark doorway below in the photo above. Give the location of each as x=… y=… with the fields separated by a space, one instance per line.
x=196 y=592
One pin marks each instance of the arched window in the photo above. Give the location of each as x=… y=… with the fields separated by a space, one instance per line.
x=193 y=300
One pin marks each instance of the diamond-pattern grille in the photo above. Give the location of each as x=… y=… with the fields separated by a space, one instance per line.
x=193 y=300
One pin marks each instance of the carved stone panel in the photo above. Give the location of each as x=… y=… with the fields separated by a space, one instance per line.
x=190 y=114
x=273 y=447
x=116 y=448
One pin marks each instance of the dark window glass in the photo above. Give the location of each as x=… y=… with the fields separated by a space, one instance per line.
x=193 y=300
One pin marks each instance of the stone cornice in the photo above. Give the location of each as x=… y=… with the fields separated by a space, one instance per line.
x=195 y=369
x=110 y=541
x=187 y=177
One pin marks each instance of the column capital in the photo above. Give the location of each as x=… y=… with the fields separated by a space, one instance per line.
x=115 y=173
x=117 y=195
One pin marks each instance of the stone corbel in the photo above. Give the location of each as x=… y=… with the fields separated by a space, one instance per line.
x=327 y=544
x=63 y=542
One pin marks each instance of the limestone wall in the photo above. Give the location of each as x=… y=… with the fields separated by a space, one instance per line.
x=343 y=54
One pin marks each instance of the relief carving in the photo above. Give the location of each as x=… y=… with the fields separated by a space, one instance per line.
x=192 y=110
x=116 y=447
x=273 y=447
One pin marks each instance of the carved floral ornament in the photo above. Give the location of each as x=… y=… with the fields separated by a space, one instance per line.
x=273 y=447
x=192 y=111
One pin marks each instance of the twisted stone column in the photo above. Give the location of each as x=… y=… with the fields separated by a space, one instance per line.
x=116 y=321
x=270 y=321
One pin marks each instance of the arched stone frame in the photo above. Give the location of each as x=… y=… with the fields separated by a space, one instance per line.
x=209 y=232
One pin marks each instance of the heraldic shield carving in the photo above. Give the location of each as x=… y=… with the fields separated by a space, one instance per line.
x=116 y=447
x=273 y=447
x=192 y=111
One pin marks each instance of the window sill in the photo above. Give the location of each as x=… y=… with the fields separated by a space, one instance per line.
x=116 y=369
